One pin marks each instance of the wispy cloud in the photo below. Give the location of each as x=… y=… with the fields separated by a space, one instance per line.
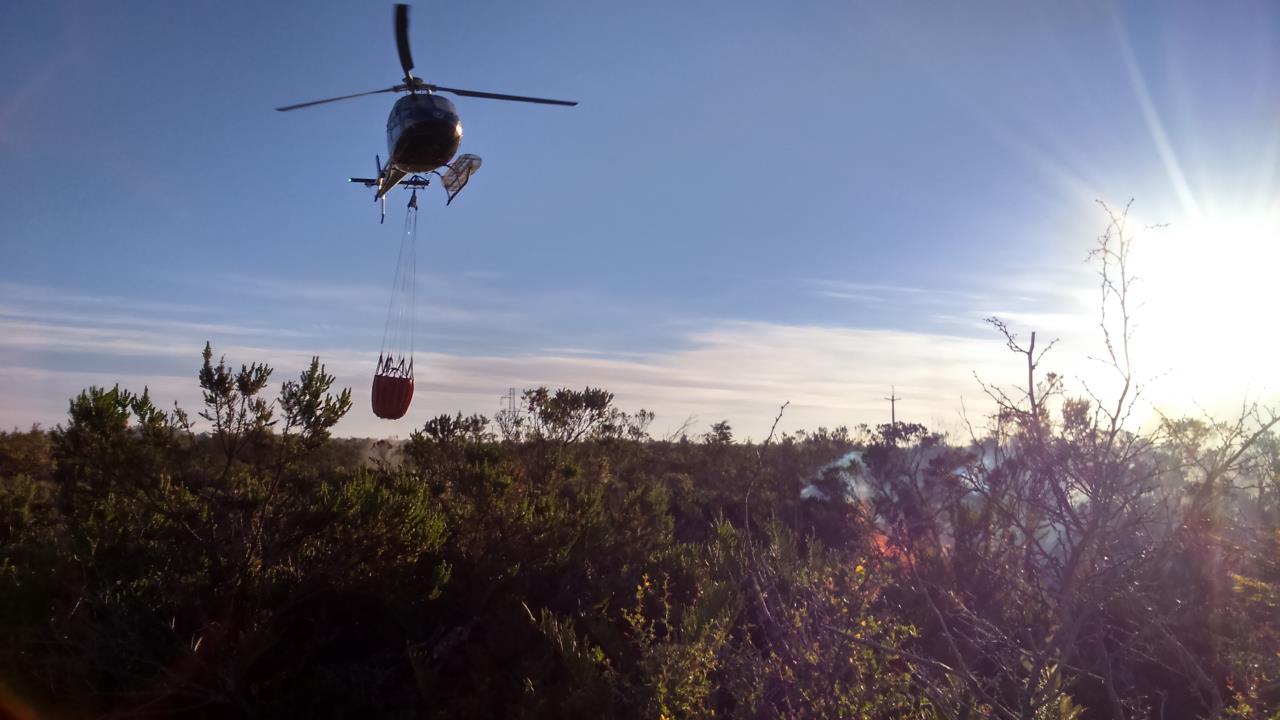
x=471 y=304
x=882 y=293
x=710 y=369
x=13 y=317
x=729 y=370
x=1064 y=290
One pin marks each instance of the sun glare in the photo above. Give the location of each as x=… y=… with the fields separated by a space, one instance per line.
x=1207 y=322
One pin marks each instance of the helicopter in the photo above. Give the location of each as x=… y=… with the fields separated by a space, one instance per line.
x=423 y=129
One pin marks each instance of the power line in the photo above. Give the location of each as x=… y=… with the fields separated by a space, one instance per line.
x=510 y=399
x=893 y=405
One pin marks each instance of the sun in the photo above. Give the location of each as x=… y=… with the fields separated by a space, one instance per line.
x=1208 y=322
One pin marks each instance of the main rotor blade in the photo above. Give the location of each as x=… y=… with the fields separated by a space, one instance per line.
x=402 y=39
x=286 y=108
x=500 y=96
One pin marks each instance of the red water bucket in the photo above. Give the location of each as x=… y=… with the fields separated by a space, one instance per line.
x=391 y=396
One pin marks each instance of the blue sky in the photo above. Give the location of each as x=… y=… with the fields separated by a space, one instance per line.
x=755 y=202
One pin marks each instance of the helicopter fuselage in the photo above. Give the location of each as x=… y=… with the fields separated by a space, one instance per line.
x=423 y=133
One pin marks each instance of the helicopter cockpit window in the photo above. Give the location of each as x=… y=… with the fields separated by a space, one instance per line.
x=403 y=114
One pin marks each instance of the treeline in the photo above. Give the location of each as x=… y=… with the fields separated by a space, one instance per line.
x=559 y=563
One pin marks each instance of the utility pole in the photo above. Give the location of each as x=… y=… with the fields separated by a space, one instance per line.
x=510 y=399
x=893 y=405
